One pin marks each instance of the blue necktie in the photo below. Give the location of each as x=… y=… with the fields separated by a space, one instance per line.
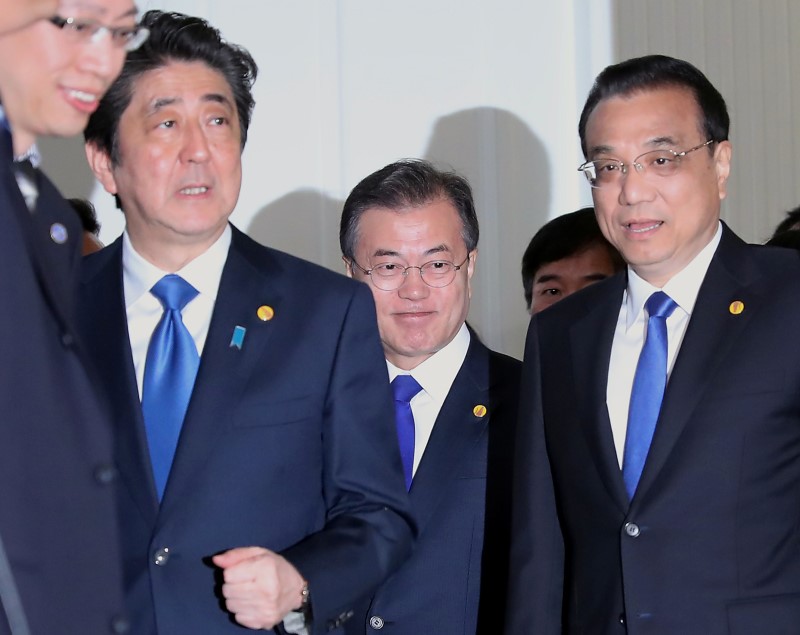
x=169 y=374
x=405 y=387
x=648 y=390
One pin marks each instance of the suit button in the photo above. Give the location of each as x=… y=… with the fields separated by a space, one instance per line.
x=621 y=618
x=105 y=474
x=632 y=529
x=120 y=626
x=376 y=622
x=161 y=556
x=67 y=340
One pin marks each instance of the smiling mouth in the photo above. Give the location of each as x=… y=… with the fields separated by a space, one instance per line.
x=194 y=191
x=640 y=228
x=82 y=96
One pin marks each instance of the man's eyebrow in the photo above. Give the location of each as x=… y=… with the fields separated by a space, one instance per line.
x=547 y=277
x=599 y=149
x=218 y=98
x=595 y=276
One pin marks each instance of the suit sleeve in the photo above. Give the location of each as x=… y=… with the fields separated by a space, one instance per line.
x=369 y=530
x=537 y=547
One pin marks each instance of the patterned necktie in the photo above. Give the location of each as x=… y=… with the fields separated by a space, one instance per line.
x=169 y=374
x=405 y=387
x=649 y=383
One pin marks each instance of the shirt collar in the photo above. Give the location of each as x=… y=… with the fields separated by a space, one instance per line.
x=203 y=273
x=32 y=154
x=436 y=374
x=683 y=287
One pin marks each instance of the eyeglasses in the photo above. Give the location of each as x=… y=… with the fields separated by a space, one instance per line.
x=129 y=38
x=657 y=163
x=390 y=276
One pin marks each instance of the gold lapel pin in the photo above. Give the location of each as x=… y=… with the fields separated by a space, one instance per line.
x=265 y=313
x=479 y=410
x=736 y=307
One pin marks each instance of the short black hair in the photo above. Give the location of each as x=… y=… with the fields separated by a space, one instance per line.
x=791 y=222
x=789 y=238
x=651 y=72
x=87 y=214
x=174 y=37
x=561 y=238
x=408 y=183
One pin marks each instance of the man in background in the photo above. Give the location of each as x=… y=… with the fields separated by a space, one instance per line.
x=260 y=474
x=564 y=256
x=59 y=558
x=410 y=231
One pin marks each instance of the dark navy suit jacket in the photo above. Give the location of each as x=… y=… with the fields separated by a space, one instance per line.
x=456 y=578
x=288 y=443
x=710 y=542
x=57 y=518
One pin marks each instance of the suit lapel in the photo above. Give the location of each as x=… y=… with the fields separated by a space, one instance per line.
x=108 y=322
x=456 y=431
x=591 y=337
x=711 y=332
x=225 y=369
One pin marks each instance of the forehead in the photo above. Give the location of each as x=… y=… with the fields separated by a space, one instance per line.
x=433 y=222
x=593 y=259
x=101 y=9
x=180 y=83
x=650 y=117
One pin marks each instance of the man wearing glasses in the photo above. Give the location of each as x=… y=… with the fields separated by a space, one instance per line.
x=410 y=231
x=661 y=409
x=59 y=557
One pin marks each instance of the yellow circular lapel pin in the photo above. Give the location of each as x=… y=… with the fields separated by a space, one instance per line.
x=479 y=410
x=265 y=313
x=736 y=307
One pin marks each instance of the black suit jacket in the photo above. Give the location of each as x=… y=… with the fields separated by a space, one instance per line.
x=460 y=496
x=288 y=443
x=57 y=518
x=711 y=541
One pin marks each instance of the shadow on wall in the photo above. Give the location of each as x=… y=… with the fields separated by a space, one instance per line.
x=304 y=223
x=64 y=161
x=507 y=167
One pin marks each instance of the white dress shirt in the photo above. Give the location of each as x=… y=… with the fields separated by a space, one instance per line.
x=144 y=310
x=436 y=375
x=631 y=329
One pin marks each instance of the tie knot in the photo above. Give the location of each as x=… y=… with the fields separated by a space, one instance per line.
x=660 y=305
x=405 y=387
x=173 y=292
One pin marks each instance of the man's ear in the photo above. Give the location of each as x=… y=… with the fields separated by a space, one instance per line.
x=348 y=267
x=101 y=165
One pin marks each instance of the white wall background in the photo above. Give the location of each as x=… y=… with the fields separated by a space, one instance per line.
x=493 y=89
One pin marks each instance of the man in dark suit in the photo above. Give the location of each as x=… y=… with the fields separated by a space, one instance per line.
x=410 y=231
x=280 y=494
x=59 y=557
x=645 y=509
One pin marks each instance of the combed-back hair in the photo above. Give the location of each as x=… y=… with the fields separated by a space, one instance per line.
x=174 y=37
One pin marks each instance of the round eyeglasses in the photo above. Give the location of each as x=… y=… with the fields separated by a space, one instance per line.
x=390 y=276
x=657 y=163
x=82 y=30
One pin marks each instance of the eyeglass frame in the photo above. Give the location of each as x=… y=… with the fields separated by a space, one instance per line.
x=404 y=273
x=96 y=29
x=639 y=167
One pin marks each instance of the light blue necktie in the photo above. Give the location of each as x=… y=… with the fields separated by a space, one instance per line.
x=648 y=390
x=405 y=388
x=169 y=374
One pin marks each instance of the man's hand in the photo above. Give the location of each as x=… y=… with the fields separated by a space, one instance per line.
x=260 y=587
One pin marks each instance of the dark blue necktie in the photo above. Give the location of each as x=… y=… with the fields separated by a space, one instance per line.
x=169 y=374
x=648 y=390
x=405 y=387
